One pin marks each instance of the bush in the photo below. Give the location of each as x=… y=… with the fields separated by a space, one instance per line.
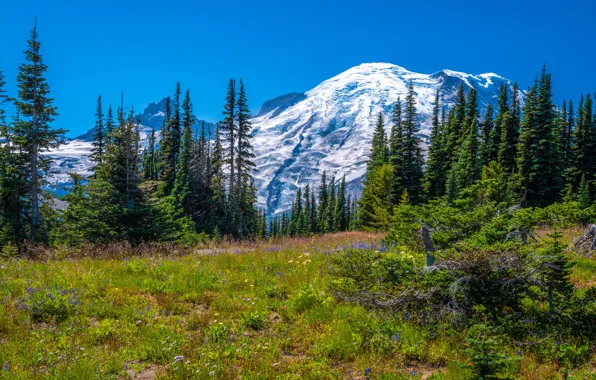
x=52 y=304
x=309 y=297
x=253 y=321
x=486 y=360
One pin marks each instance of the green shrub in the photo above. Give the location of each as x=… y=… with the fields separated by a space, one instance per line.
x=51 y=304
x=309 y=297
x=483 y=353
x=253 y=321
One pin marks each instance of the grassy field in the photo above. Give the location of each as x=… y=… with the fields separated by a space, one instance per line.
x=254 y=311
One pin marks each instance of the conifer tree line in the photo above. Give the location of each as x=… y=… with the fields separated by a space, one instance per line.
x=181 y=187
x=331 y=209
x=540 y=153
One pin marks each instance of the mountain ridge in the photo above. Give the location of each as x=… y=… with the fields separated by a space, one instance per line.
x=329 y=127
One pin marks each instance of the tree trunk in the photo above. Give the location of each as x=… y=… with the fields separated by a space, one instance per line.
x=429 y=247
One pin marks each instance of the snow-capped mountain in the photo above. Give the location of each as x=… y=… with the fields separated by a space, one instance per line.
x=330 y=127
x=298 y=135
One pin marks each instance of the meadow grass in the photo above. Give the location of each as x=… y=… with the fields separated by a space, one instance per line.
x=252 y=311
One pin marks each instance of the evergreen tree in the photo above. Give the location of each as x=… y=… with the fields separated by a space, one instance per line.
x=149 y=159
x=487 y=127
x=435 y=177
x=328 y=222
x=497 y=132
x=540 y=173
x=218 y=185
x=170 y=148
x=245 y=166
x=99 y=136
x=323 y=210
x=379 y=152
x=228 y=128
x=181 y=191
x=396 y=154
x=165 y=143
x=34 y=134
x=339 y=213
x=510 y=122
x=411 y=173
x=456 y=131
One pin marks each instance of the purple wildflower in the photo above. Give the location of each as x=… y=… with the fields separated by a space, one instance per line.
x=367 y=371
x=178 y=358
x=413 y=373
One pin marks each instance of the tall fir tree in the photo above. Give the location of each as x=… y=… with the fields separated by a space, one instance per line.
x=435 y=177
x=539 y=171
x=245 y=166
x=171 y=144
x=502 y=110
x=99 y=134
x=35 y=135
x=396 y=153
x=181 y=191
x=412 y=172
x=487 y=126
x=149 y=159
x=379 y=151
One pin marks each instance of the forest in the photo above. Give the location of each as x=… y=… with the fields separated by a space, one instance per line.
x=473 y=260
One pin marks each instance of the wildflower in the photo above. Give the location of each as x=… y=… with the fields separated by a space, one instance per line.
x=178 y=358
x=211 y=373
x=518 y=352
x=5 y=367
x=125 y=366
x=407 y=316
x=395 y=337
x=413 y=373
x=367 y=371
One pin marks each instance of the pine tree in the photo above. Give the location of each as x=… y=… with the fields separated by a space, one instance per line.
x=218 y=185
x=339 y=213
x=435 y=177
x=396 y=154
x=456 y=130
x=181 y=192
x=228 y=128
x=379 y=152
x=540 y=173
x=245 y=166
x=497 y=132
x=99 y=136
x=171 y=143
x=165 y=143
x=149 y=159
x=35 y=135
x=412 y=173
x=487 y=127
x=510 y=122
x=323 y=210
x=331 y=199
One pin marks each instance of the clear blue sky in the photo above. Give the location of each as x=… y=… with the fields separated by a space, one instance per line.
x=144 y=47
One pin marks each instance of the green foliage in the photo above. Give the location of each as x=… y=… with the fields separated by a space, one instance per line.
x=50 y=304
x=253 y=321
x=486 y=361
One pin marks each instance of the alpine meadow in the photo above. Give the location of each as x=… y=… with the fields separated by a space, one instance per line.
x=385 y=224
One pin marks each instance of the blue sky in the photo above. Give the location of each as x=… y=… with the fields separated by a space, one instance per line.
x=144 y=47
